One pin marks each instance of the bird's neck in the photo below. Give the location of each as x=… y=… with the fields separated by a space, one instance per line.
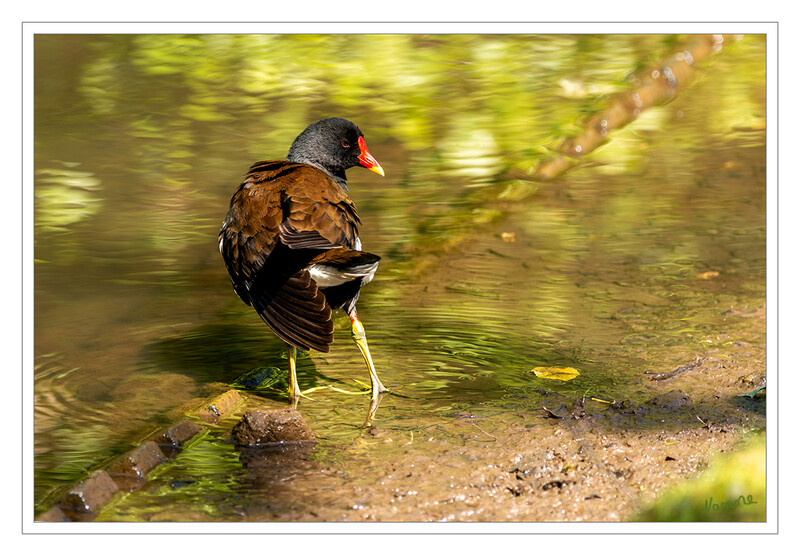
x=339 y=177
x=337 y=174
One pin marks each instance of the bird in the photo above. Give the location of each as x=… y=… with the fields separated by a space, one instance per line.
x=291 y=247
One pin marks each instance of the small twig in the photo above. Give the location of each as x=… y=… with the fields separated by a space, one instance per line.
x=484 y=432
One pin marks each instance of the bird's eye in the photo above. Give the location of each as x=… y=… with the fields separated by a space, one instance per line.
x=345 y=144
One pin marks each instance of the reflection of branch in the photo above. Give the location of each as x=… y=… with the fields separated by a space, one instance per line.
x=653 y=86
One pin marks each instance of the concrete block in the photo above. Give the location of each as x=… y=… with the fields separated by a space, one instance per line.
x=90 y=494
x=219 y=406
x=172 y=439
x=129 y=470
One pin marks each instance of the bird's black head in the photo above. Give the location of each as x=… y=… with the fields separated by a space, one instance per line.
x=334 y=145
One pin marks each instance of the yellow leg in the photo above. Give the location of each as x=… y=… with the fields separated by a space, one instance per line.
x=360 y=338
x=374 y=403
x=294 y=389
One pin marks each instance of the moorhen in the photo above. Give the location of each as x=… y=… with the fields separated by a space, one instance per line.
x=290 y=242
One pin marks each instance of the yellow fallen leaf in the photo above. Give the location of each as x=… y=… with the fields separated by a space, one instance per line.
x=556 y=373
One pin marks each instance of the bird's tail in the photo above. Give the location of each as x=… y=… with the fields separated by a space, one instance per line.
x=297 y=312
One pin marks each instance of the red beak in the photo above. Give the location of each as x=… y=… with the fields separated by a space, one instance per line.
x=366 y=159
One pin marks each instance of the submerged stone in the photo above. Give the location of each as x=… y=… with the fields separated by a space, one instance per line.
x=54 y=514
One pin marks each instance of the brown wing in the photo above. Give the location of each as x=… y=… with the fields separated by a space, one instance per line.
x=314 y=204
x=250 y=230
x=282 y=216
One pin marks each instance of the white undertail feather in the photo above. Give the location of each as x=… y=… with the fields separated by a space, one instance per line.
x=328 y=276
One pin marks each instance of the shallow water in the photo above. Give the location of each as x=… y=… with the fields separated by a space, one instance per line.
x=140 y=141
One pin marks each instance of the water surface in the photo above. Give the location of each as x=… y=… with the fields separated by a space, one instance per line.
x=485 y=274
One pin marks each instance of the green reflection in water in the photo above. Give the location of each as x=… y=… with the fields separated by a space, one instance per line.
x=202 y=484
x=64 y=196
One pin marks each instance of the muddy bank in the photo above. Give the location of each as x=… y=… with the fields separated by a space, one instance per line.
x=597 y=463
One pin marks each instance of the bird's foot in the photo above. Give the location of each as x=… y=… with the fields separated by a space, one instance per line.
x=373 y=409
